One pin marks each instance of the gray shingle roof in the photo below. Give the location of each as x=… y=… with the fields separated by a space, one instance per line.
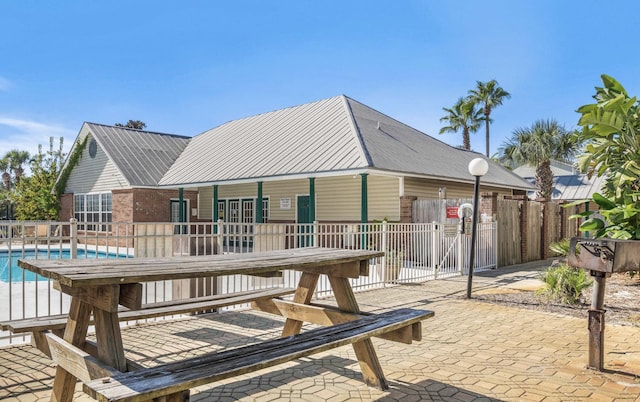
x=335 y=134
x=143 y=157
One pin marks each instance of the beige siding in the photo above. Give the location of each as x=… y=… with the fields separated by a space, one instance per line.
x=424 y=188
x=95 y=175
x=205 y=203
x=338 y=198
x=384 y=198
x=246 y=190
x=277 y=190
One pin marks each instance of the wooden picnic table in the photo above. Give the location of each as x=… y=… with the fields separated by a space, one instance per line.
x=101 y=286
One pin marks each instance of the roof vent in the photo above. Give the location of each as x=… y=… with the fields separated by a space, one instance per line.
x=378 y=125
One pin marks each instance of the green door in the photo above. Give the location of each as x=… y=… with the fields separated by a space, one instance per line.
x=302 y=207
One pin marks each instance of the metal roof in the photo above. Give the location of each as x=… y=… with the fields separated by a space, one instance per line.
x=337 y=134
x=573 y=187
x=143 y=157
x=568 y=183
x=397 y=147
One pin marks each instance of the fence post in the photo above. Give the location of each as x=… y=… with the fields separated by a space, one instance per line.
x=461 y=259
x=220 y=233
x=73 y=237
x=435 y=248
x=316 y=235
x=384 y=245
x=494 y=243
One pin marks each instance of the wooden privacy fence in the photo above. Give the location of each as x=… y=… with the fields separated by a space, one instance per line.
x=525 y=228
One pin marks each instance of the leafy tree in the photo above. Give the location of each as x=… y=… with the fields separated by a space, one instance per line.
x=33 y=196
x=610 y=130
x=537 y=145
x=488 y=95
x=462 y=116
x=135 y=124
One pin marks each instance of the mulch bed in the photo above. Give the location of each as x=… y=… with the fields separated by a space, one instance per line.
x=621 y=302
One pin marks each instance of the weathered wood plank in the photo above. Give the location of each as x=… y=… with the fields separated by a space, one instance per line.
x=152 y=310
x=303 y=295
x=326 y=315
x=120 y=271
x=105 y=297
x=131 y=295
x=75 y=333
x=173 y=377
x=366 y=354
x=109 y=339
x=76 y=361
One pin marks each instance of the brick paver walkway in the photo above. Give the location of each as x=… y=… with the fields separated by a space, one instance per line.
x=471 y=351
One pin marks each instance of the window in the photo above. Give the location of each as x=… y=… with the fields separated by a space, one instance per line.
x=94 y=210
x=265 y=210
x=244 y=214
x=222 y=208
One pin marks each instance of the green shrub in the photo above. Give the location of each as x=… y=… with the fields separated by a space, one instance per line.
x=560 y=247
x=564 y=284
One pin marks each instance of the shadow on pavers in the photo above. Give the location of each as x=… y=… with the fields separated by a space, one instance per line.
x=309 y=369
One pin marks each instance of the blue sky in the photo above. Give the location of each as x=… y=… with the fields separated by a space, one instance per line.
x=186 y=66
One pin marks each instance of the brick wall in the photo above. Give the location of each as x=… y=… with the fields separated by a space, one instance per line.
x=66 y=207
x=121 y=201
x=406 y=208
x=150 y=205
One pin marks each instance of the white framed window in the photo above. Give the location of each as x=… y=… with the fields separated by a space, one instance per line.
x=94 y=211
x=241 y=209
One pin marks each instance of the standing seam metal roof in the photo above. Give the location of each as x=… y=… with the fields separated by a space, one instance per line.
x=335 y=134
x=143 y=157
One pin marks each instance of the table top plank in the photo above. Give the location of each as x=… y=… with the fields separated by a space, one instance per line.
x=88 y=272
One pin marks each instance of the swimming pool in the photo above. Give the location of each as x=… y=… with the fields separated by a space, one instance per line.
x=11 y=272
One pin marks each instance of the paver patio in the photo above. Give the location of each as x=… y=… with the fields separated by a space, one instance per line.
x=471 y=351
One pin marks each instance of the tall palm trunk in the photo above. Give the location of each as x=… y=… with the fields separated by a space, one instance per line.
x=487 y=113
x=466 y=139
x=6 y=180
x=544 y=176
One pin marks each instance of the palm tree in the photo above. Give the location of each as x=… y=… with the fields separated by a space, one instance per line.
x=489 y=95
x=6 y=177
x=463 y=115
x=17 y=159
x=538 y=145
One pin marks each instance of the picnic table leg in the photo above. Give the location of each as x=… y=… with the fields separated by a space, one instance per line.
x=366 y=354
x=303 y=295
x=109 y=339
x=75 y=333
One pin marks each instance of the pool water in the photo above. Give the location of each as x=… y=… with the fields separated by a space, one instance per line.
x=11 y=272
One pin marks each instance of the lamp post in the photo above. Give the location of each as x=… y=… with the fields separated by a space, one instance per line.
x=478 y=168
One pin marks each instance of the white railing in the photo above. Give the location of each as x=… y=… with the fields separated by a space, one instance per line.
x=413 y=253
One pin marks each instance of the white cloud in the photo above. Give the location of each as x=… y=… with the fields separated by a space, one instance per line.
x=5 y=84
x=26 y=135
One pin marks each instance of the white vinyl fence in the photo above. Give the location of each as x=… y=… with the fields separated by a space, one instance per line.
x=413 y=253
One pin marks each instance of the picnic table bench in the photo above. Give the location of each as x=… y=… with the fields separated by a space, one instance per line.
x=100 y=289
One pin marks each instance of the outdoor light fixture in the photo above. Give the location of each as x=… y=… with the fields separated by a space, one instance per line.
x=478 y=168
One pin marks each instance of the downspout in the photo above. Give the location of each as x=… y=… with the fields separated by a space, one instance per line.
x=312 y=199
x=259 y=206
x=215 y=209
x=364 y=209
x=181 y=217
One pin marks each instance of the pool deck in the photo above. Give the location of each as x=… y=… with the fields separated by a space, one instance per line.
x=471 y=351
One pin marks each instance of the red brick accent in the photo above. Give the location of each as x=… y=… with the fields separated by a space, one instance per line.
x=489 y=205
x=66 y=207
x=406 y=208
x=147 y=205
